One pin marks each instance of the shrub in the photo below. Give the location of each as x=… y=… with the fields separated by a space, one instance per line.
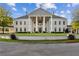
x=52 y=32
x=71 y=37
x=28 y=32
x=36 y=32
x=13 y=37
x=44 y=31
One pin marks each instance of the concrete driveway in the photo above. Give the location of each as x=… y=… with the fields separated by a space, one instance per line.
x=40 y=37
x=20 y=49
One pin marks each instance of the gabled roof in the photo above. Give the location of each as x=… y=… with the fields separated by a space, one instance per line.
x=55 y=16
x=22 y=17
x=39 y=11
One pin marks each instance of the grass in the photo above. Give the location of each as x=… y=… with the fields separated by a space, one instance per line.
x=41 y=34
x=40 y=41
x=38 y=34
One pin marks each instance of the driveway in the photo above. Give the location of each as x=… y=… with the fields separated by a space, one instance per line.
x=40 y=37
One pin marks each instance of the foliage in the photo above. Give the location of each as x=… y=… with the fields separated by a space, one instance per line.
x=75 y=19
x=75 y=24
x=5 y=19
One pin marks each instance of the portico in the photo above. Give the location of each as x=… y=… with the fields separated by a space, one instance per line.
x=39 y=23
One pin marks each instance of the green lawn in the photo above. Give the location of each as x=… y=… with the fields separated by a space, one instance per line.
x=40 y=41
x=41 y=34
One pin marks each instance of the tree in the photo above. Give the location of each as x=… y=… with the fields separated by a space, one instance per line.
x=75 y=24
x=5 y=19
x=75 y=19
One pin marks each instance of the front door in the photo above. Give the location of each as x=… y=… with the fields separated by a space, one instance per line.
x=40 y=30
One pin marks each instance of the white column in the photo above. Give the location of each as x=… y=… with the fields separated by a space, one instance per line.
x=51 y=24
x=29 y=28
x=43 y=23
x=36 y=24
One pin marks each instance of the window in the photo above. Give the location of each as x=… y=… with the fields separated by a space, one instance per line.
x=59 y=22
x=59 y=29
x=20 y=23
x=34 y=29
x=63 y=22
x=55 y=22
x=55 y=29
x=24 y=29
x=16 y=29
x=20 y=29
x=63 y=29
x=16 y=22
x=24 y=22
x=45 y=29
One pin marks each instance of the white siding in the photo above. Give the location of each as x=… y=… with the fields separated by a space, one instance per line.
x=57 y=26
x=48 y=25
x=21 y=26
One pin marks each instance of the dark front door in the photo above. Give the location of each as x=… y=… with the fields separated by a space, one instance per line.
x=40 y=30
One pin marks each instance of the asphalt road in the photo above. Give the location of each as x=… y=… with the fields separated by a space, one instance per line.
x=20 y=49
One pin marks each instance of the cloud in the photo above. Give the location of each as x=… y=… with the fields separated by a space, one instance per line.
x=68 y=11
x=46 y=5
x=74 y=4
x=57 y=14
x=69 y=21
x=15 y=15
x=50 y=5
x=14 y=9
x=62 y=12
x=62 y=15
x=68 y=5
x=24 y=9
x=11 y=4
x=38 y=5
x=18 y=14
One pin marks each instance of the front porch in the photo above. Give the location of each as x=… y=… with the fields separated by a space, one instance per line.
x=40 y=23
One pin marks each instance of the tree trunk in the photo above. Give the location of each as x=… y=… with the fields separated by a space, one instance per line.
x=3 y=30
x=76 y=31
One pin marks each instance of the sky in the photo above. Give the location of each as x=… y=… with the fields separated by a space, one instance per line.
x=60 y=9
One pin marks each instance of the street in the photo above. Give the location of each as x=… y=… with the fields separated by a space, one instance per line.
x=20 y=49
